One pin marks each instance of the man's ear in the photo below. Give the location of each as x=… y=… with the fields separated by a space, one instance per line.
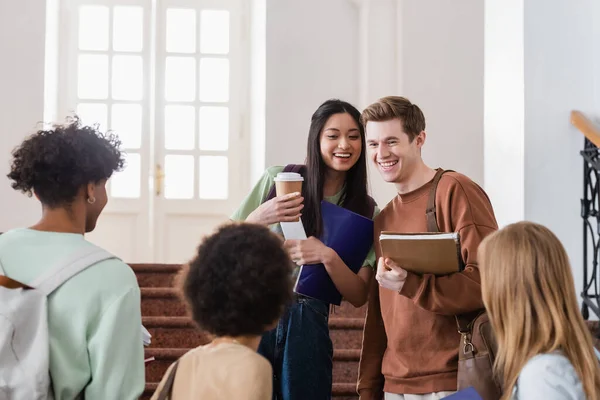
x=420 y=139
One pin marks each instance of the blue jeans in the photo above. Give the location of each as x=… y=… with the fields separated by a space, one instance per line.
x=300 y=352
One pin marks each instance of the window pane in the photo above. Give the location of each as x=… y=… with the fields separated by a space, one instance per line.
x=214 y=31
x=91 y=114
x=179 y=127
x=126 y=121
x=214 y=128
x=180 y=79
x=126 y=184
x=214 y=79
x=127 y=80
x=93 y=28
x=181 y=30
x=213 y=177
x=128 y=28
x=92 y=77
x=179 y=177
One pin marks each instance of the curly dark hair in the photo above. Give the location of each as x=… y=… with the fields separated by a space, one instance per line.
x=56 y=163
x=239 y=282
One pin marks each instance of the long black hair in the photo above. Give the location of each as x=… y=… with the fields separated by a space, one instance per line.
x=355 y=197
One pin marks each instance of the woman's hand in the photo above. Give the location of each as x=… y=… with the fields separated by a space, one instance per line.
x=279 y=209
x=309 y=251
x=352 y=286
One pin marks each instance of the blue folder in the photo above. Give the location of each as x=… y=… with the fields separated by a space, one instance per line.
x=466 y=394
x=351 y=236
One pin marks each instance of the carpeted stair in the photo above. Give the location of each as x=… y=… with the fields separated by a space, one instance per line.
x=173 y=332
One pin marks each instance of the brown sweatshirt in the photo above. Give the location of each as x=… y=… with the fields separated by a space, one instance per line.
x=410 y=342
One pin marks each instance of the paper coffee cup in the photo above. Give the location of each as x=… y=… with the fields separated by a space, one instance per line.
x=288 y=182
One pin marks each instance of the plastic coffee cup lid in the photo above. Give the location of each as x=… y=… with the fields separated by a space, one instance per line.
x=288 y=177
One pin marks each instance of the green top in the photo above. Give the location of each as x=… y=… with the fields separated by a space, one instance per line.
x=260 y=192
x=94 y=319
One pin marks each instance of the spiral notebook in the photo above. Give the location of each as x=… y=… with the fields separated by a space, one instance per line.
x=351 y=236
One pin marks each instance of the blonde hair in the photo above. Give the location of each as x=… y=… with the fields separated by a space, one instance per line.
x=529 y=292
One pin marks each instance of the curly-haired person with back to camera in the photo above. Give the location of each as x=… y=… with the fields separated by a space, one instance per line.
x=236 y=288
x=94 y=320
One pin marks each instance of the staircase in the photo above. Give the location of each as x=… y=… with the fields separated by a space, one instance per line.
x=173 y=332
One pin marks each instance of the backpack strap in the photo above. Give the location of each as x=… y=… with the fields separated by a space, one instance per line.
x=166 y=391
x=432 y=225
x=463 y=322
x=70 y=267
x=8 y=283
x=431 y=215
x=372 y=204
x=297 y=168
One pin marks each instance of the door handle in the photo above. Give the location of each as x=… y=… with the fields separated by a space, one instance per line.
x=159 y=177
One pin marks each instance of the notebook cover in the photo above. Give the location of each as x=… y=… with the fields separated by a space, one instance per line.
x=424 y=253
x=351 y=236
x=466 y=394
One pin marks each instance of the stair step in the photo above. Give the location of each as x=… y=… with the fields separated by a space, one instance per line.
x=341 y=391
x=186 y=322
x=346 y=333
x=181 y=332
x=157 y=300
x=155 y=275
x=169 y=332
x=346 y=324
x=348 y=310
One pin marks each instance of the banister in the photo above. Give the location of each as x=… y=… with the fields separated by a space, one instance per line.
x=587 y=127
x=590 y=212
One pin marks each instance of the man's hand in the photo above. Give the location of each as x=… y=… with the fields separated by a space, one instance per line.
x=390 y=275
x=309 y=251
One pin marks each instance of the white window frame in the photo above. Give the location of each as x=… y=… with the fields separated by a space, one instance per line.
x=237 y=154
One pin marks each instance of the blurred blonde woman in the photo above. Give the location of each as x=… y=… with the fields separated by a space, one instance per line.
x=545 y=350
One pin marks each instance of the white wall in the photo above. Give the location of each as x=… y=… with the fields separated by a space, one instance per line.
x=504 y=113
x=379 y=69
x=560 y=71
x=311 y=57
x=258 y=72
x=22 y=38
x=542 y=61
x=443 y=73
x=596 y=54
